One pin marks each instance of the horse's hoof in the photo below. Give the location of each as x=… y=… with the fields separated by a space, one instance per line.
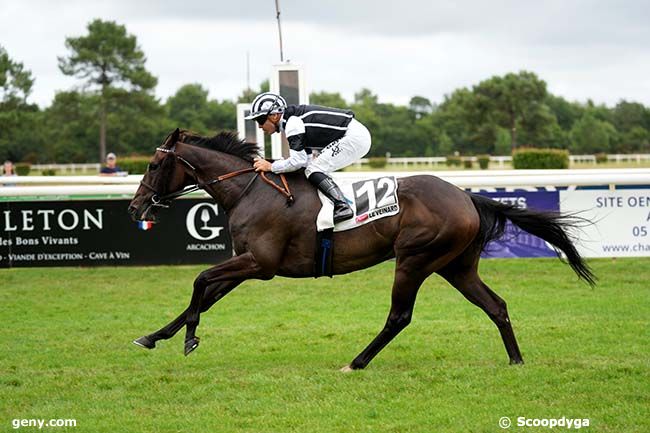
x=346 y=369
x=145 y=342
x=191 y=344
x=516 y=362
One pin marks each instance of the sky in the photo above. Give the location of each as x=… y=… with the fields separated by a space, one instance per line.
x=583 y=49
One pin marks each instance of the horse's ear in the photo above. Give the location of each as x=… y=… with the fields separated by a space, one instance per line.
x=175 y=136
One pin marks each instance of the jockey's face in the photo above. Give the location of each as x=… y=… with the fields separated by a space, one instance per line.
x=270 y=126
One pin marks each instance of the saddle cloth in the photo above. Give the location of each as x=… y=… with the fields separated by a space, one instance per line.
x=370 y=199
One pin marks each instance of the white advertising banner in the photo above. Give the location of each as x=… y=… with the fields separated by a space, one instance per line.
x=621 y=221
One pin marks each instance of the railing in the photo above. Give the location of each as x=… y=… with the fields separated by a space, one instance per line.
x=501 y=161
x=69 y=168
x=88 y=186
x=433 y=161
x=638 y=158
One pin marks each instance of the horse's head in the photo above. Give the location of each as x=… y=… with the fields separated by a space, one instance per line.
x=167 y=172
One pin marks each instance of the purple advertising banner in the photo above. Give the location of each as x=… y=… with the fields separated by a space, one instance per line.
x=516 y=242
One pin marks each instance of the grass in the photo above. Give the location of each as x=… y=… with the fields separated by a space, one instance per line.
x=270 y=352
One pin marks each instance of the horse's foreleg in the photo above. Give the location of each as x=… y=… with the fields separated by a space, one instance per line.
x=239 y=268
x=212 y=295
x=478 y=293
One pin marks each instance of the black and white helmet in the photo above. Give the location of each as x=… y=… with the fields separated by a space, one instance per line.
x=265 y=104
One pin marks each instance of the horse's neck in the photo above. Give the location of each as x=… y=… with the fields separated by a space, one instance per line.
x=211 y=165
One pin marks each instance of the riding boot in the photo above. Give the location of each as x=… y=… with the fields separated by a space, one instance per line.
x=342 y=210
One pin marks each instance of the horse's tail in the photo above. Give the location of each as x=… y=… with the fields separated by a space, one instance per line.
x=553 y=227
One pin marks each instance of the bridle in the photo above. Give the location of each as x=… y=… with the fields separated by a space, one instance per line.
x=159 y=200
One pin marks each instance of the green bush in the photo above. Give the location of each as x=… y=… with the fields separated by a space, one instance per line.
x=453 y=161
x=601 y=158
x=48 y=172
x=377 y=162
x=483 y=161
x=134 y=164
x=467 y=163
x=529 y=158
x=23 y=168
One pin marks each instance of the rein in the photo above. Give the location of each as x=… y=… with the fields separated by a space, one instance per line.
x=164 y=201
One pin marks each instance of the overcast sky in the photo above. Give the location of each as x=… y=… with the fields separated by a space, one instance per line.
x=400 y=48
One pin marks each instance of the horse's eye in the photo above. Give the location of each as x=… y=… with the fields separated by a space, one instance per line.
x=153 y=166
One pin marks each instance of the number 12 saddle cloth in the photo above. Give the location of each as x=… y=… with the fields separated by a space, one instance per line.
x=370 y=199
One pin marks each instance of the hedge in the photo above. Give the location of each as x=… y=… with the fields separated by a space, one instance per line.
x=453 y=161
x=22 y=168
x=483 y=161
x=377 y=162
x=529 y=158
x=134 y=164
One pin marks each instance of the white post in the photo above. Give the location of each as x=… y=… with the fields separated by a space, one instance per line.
x=287 y=80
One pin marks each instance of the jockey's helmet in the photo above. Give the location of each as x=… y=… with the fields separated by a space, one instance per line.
x=265 y=104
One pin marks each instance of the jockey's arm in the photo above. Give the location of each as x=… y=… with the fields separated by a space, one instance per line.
x=298 y=158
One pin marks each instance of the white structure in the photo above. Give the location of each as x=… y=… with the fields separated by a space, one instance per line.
x=287 y=80
x=248 y=129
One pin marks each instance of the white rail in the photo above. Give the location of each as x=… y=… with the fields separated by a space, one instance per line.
x=69 y=168
x=97 y=185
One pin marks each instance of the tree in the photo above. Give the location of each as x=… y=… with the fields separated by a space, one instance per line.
x=15 y=81
x=566 y=113
x=328 y=99
x=502 y=145
x=188 y=108
x=18 y=119
x=420 y=106
x=106 y=58
x=457 y=121
x=249 y=94
x=590 y=135
x=511 y=101
x=70 y=123
x=637 y=139
x=365 y=97
x=221 y=115
x=628 y=115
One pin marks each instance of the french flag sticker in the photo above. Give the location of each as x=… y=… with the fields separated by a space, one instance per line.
x=145 y=225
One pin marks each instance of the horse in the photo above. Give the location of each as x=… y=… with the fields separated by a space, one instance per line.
x=440 y=228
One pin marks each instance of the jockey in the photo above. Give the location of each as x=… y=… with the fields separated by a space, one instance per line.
x=338 y=137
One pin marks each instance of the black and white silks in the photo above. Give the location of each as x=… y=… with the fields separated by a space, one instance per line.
x=310 y=127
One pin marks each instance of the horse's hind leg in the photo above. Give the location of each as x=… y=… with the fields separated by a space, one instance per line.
x=467 y=281
x=212 y=295
x=410 y=272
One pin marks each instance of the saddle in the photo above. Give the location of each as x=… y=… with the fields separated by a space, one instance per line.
x=370 y=200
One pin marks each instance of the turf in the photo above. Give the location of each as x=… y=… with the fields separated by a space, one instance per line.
x=270 y=352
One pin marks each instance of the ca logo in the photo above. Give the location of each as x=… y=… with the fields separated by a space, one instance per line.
x=208 y=210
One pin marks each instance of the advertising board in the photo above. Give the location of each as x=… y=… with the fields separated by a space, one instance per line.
x=620 y=221
x=100 y=232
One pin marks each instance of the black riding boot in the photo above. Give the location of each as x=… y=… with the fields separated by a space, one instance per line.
x=342 y=210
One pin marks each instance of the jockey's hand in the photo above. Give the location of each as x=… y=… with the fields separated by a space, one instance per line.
x=262 y=165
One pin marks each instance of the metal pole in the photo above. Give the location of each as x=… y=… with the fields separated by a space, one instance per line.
x=277 y=9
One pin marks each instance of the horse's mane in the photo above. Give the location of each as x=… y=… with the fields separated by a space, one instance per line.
x=225 y=141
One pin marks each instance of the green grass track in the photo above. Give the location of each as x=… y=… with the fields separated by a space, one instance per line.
x=271 y=351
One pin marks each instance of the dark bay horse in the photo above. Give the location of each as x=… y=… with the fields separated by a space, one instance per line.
x=440 y=228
